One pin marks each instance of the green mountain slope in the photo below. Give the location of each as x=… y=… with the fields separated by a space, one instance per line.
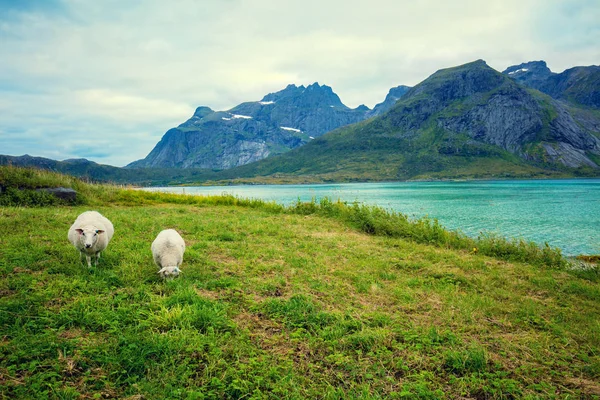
x=464 y=122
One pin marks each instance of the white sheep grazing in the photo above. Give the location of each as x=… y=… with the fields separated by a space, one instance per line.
x=90 y=234
x=167 y=250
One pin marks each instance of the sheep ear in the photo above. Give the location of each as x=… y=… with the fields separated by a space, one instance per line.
x=162 y=270
x=99 y=231
x=80 y=231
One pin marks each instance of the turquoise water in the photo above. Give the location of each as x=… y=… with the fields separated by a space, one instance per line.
x=564 y=213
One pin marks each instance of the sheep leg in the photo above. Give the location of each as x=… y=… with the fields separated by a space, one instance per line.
x=89 y=260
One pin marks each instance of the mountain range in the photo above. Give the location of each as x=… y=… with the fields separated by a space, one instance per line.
x=469 y=121
x=252 y=131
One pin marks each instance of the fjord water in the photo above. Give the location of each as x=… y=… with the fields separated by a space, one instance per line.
x=563 y=213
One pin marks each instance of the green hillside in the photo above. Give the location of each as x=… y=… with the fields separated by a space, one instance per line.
x=370 y=152
x=91 y=171
x=321 y=300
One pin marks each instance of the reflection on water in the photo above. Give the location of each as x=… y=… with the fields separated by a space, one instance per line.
x=564 y=213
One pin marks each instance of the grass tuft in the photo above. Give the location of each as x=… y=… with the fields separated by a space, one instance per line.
x=461 y=362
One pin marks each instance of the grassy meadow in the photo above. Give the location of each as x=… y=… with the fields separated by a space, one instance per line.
x=313 y=301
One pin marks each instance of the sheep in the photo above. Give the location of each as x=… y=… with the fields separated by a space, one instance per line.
x=90 y=234
x=167 y=250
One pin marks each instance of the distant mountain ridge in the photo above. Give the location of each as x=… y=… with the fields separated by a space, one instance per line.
x=578 y=85
x=255 y=130
x=92 y=171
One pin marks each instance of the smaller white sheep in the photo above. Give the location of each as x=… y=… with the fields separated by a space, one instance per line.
x=90 y=234
x=167 y=250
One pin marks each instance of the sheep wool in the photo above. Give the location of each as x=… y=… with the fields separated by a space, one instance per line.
x=167 y=251
x=90 y=234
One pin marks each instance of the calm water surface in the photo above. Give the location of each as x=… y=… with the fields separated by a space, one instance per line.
x=564 y=213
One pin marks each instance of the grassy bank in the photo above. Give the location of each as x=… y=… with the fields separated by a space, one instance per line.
x=319 y=300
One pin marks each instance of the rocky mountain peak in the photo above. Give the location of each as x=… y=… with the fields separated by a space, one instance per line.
x=532 y=73
x=202 y=111
x=459 y=82
x=313 y=95
x=396 y=92
x=479 y=62
x=530 y=67
x=392 y=97
x=290 y=90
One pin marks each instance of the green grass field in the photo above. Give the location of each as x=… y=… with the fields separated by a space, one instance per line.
x=314 y=301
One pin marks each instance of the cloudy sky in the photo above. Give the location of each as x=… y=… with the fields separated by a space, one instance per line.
x=104 y=80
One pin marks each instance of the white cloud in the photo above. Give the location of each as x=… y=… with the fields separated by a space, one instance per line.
x=129 y=71
x=111 y=104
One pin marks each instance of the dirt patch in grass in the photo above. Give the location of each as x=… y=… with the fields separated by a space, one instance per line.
x=223 y=259
x=265 y=333
x=7 y=292
x=587 y=386
x=57 y=303
x=71 y=333
x=325 y=235
x=261 y=296
x=69 y=364
x=7 y=380
x=256 y=325
x=134 y=397
x=208 y=294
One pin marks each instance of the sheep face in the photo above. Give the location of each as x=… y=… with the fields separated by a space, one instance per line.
x=169 y=272
x=88 y=237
